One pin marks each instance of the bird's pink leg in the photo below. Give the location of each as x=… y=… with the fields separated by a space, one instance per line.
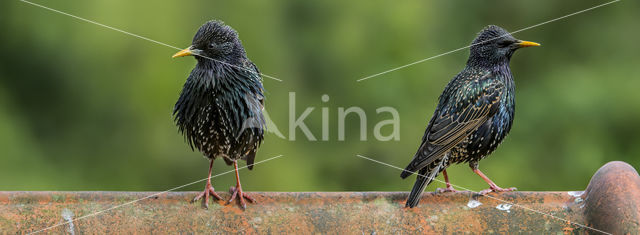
x=449 y=187
x=492 y=186
x=208 y=190
x=237 y=191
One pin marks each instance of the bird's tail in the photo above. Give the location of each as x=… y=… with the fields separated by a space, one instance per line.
x=425 y=176
x=406 y=173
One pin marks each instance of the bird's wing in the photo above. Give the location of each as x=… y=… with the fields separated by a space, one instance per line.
x=463 y=111
x=257 y=119
x=269 y=125
x=256 y=73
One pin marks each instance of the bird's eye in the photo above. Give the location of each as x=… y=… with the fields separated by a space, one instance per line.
x=504 y=43
x=212 y=45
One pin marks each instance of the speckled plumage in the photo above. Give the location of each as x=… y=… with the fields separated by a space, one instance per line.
x=220 y=107
x=474 y=114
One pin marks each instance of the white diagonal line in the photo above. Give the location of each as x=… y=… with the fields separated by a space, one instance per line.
x=462 y=48
x=486 y=195
x=152 y=195
x=142 y=37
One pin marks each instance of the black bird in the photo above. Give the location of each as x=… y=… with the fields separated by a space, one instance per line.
x=220 y=107
x=474 y=113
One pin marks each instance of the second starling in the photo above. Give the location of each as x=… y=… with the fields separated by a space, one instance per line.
x=220 y=107
x=474 y=113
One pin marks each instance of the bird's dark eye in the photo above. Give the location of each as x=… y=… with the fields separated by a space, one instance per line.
x=504 y=43
x=212 y=45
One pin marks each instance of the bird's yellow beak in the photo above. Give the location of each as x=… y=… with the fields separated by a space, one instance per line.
x=525 y=44
x=186 y=52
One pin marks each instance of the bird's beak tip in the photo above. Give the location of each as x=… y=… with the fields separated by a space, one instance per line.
x=185 y=52
x=528 y=44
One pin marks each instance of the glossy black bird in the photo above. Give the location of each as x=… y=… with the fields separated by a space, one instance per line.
x=474 y=113
x=220 y=107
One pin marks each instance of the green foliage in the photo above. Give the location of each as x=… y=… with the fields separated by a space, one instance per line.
x=87 y=108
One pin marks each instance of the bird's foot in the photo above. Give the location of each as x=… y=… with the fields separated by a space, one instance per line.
x=237 y=192
x=208 y=191
x=495 y=188
x=449 y=189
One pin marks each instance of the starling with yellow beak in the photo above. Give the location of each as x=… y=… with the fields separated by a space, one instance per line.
x=474 y=113
x=219 y=111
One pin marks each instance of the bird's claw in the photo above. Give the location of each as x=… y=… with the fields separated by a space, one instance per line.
x=208 y=191
x=237 y=192
x=496 y=189
x=448 y=189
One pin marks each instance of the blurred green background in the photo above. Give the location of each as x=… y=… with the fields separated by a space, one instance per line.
x=83 y=107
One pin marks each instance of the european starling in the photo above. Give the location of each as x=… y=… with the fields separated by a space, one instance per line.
x=220 y=107
x=474 y=113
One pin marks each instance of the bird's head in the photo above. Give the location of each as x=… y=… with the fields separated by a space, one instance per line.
x=494 y=45
x=217 y=41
